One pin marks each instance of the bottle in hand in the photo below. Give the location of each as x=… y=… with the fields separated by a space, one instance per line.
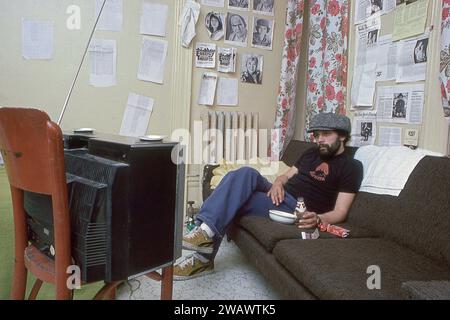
x=300 y=208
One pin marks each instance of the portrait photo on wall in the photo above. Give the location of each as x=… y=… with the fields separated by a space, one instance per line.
x=376 y=6
x=366 y=130
x=252 y=68
x=420 y=51
x=399 y=105
x=239 y=4
x=237 y=29
x=215 y=25
x=264 y=7
x=372 y=37
x=262 y=33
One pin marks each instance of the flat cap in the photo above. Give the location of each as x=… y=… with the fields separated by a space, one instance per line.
x=330 y=121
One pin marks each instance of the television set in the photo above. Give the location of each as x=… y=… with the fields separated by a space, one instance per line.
x=125 y=202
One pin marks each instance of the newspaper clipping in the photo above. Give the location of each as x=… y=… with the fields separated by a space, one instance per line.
x=205 y=55
x=400 y=104
x=364 y=128
x=412 y=59
x=227 y=60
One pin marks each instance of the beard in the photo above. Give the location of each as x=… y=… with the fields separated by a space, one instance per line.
x=328 y=151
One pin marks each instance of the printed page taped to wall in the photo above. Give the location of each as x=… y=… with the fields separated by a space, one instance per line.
x=207 y=89
x=103 y=58
x=390 y=136
x=154 y=19
x=412 y=59
x=153 y=60
x=364 y=128
x=136 y=116
x=400 y=104
x=227 y=92
x=111 y=18
x=410 y=19
x=37 y=39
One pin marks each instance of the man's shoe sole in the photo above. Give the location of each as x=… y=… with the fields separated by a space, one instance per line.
x=200 y=274
x=189 y=246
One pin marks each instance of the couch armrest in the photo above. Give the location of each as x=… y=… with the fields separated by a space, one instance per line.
x=206 y=180
x=427 y=290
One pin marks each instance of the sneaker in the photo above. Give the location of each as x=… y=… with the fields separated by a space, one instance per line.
x=192 y=267
x=198 y=240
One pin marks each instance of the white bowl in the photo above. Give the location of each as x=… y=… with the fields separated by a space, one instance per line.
x=281 y=216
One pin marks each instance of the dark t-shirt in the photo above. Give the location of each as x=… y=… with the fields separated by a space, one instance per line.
x=319 y=181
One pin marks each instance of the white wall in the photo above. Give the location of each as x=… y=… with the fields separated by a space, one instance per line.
x=44 y=84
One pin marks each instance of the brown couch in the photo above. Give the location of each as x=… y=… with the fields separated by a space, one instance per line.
x=407 y=237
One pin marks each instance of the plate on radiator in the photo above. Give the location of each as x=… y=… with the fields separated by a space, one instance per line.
x=84 y=130
x=152 y=138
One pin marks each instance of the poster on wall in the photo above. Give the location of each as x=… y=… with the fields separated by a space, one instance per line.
x=236 y=29
x=205 y=55
x=214 y=23
x=266 y=7
x=262 y=33
x=252 y=68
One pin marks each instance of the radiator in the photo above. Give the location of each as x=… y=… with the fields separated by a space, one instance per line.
x=230 y=136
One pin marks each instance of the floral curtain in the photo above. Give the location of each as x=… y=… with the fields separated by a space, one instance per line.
x=445 y=58
x=285 y=115
x=327 y=58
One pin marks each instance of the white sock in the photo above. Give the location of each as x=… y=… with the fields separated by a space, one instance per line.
x=207 y=229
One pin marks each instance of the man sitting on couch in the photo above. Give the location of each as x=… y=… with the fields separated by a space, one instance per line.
x=324 y=176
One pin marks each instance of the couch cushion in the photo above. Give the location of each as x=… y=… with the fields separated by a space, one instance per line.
x=269 y=232
x=419 y=217
x=337 y=269
x=427 y=290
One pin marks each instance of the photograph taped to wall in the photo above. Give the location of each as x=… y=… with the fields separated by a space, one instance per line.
x=372 y=38
x=215 y=25
x=420 y=51
x=252 y=68
x=262 y=33
x=264 y=7
x=400 y=105
x=239 y=4
x=205 y=55
x=237 y=29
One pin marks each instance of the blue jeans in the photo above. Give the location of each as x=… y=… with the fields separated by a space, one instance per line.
x=241 y=192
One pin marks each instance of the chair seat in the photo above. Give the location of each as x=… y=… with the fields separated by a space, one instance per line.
x=39 y=264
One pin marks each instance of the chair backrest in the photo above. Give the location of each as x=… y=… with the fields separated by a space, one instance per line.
x=33 y=152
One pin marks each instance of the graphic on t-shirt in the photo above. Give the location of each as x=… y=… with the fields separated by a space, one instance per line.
x=321 y=172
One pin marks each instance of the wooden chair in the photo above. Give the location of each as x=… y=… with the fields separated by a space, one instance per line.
x=33 y=153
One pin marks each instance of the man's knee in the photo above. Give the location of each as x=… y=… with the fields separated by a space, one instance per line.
x=246 y=171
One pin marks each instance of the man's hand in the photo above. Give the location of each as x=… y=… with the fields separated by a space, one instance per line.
x=308 y=221
x=276 y=192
